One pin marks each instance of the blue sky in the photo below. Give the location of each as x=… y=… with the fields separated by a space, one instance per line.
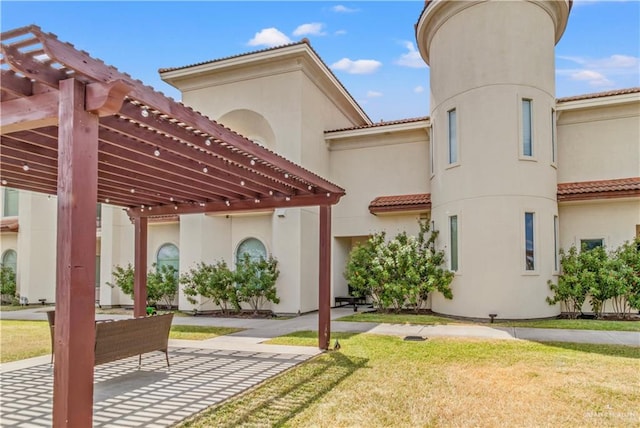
x=370 y=45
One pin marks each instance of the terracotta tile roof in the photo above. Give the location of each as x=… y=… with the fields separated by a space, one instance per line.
x=381 y=123
x=9 y=224
x=599 y=94
x=577 y=191
x=400 y=203
x=600 y=189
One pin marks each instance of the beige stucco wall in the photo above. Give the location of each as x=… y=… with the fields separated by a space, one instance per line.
x=599 y=143
x=384 y=167
x=37 y=246
x=492 y=184
x=116 y=248
x=613 y=220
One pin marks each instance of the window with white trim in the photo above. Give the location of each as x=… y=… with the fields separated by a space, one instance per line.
x=432 y=160
x=253 y=247
x=10 y=202
x=554 y=147
x=590 y=244
x=529 y=243
x=453 y=236
x=527 y=127
x=556 y=246
x=453 y=136
x=168 y=255
x=10 y=260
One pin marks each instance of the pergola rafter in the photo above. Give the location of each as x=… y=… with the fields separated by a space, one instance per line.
x=77 y=128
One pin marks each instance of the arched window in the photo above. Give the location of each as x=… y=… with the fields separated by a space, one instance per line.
x=10 y=260
x=253 y=247
x=168 y=255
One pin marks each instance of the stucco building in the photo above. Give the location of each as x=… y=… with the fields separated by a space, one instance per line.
x=507 y=172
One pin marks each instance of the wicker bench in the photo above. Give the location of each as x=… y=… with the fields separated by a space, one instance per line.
x=117 y=339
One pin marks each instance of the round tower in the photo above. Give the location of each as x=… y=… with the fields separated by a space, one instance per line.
x=494 y=181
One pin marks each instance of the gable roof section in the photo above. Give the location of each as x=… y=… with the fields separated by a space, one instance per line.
x=599 y=95
x=358 y=115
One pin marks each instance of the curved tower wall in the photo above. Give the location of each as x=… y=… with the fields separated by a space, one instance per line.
x=485 y=58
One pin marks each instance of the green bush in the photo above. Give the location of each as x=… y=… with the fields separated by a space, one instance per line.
x=256 y=281
x=400 y=272
x=162 y=283
x=7 y=284
x=601 y=276
x=214 y=282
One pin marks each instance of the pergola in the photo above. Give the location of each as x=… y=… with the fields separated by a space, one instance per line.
x=77 y=128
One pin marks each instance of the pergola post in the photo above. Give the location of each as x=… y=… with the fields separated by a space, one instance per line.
x=324 y=293
x=140 y=267
x=76 y=248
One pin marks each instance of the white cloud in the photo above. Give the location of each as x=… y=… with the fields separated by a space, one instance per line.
x=411 y=58
x=418 y=89
x=269 y=37
x=592 y=77
x=343 y=9
x=602 y=72
x=359 y=66
x=373 y=94
x=340 y=32
x=312 y=28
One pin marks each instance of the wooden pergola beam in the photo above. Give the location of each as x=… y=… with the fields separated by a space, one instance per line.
x=30 y=112
x=76 y=264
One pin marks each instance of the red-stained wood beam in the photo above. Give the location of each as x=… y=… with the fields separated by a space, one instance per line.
x=31 y=68
x=180 y=154
x=97 y=70
x=75 y=289
x=29 y=112
x=264 y=173
x=14 y=84
x=324 y=283
x=106 y=99
x=238 y=205
x=140 y=267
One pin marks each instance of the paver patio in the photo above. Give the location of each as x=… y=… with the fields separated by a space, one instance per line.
x=152 y=396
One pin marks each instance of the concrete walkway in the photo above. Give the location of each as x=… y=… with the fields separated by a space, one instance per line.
x=204 y=373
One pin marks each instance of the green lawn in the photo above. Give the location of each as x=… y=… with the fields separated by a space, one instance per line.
x=26 y=339
x=419 y=319
x=383 y=381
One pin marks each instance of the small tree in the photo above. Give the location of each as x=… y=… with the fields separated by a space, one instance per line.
x=256 y=281
x=595 y=274
x=402 y=271
x=123 y=279
x=7 y=284
x=570 y=290
x=162 y=285
x=214 y=282
x=625 y=263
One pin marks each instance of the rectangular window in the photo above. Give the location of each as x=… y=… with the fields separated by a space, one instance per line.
x=453 y=137
x=556 y=265
x=590 y=244
x=10 y=202
x=453 y=231
x=529 y=244
x=98 y=215
x=554 y=147
x=432 y=142
x=527 y=140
